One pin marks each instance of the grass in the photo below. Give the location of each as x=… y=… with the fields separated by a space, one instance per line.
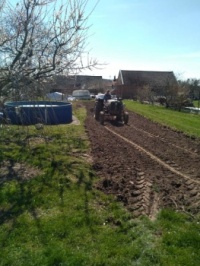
x=56 y=217
x=196 y=103
x=184 y=122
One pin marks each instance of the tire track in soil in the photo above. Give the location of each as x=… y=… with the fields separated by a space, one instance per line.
x=164 y=141
x=187 y=162
x=153 y=157
x=140 y=183
x=163 y=132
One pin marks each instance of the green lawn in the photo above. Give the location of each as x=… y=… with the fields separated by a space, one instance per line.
x=196 y=103
x=50 y=214
x=185 y=122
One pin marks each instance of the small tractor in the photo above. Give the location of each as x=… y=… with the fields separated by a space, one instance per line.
x=112 y=110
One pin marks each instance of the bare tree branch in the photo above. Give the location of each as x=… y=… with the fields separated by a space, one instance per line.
x=42 y=38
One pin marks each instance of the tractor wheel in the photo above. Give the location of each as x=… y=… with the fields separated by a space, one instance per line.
x=126 y=118
x=96 y=114
x=118 y=118
x=101 y=117
x=98 y=109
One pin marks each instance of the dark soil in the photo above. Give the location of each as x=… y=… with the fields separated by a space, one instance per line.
x=146 y=166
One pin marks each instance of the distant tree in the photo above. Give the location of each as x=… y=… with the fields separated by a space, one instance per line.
x=194 y=88
x=145 y=93
x=39 y=39
x=94 y=86
x=177 y=96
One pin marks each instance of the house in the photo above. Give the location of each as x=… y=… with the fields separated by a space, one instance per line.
x=67 y=84
x=83 y=81
x=130 y=82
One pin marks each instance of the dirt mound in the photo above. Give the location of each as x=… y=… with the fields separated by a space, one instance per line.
x=145 y=165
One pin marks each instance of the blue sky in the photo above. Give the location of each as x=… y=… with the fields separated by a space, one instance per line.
x=154 y=35
x=160 y=35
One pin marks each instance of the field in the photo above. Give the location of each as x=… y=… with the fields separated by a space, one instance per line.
x=147 y=166
x=187 y=123
x=87 y=194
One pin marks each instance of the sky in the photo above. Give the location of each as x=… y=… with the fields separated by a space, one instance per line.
x=151 y=35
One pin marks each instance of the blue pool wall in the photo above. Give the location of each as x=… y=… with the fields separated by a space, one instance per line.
x=34 y=112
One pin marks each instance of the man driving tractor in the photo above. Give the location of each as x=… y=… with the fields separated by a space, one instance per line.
x=107 y=96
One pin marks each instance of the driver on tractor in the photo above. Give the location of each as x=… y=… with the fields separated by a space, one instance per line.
x=107 y=96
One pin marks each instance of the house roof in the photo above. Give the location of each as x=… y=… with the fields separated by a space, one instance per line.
x=83 y=79
x=155 y=78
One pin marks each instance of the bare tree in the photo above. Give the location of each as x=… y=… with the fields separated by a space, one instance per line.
x=39 y=39
x=145 y=94
x=177 y=96
x=2 y=2
x=194 y=86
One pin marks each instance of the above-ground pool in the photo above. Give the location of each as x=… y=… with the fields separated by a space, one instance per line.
x=34 y=112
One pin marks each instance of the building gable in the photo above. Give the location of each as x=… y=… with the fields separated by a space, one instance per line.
x=151 y=78
x=130 y=82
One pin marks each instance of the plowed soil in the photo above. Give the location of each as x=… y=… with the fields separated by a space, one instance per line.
x=145 y=165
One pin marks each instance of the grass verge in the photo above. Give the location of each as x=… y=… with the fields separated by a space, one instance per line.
x=184 y=122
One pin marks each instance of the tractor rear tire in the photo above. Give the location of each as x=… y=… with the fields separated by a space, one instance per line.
x=96 y=114
x=126 y=118
x=101 y=117
x=98 y=108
